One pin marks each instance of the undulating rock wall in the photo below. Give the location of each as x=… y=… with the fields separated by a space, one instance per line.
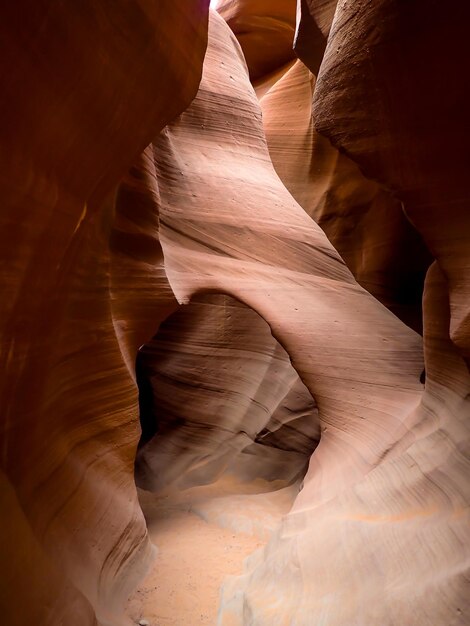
x=363 y=221
x=391 y=548
x=413 y=144
x=223 y=395
x=85 y=87
x=265 y=31
x=247 y=236
x=257 y=244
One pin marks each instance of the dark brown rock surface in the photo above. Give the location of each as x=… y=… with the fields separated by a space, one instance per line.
x=74 y=115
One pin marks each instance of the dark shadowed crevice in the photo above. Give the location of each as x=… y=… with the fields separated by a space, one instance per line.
x=217 y=393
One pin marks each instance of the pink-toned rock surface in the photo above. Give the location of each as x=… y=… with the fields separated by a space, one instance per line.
x=224 y=396
x=268 y=283
x=361 y=530
x=215 y=241
x=363 y=221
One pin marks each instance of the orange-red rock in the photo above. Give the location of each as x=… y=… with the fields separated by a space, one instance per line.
x=196 y=251
x=84 y=90
x=265 y=31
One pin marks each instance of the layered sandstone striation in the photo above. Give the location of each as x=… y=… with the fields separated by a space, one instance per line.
x=265 y=31
x=84 y=90
x=232 y=244
x=273 y=257
x=396 y=539
x=364 y=222
x=223 y=396
x=413 y=144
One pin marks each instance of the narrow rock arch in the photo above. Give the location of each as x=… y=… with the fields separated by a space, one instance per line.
x=217 y=393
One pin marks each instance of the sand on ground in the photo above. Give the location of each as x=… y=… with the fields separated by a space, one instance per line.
x=203 y=535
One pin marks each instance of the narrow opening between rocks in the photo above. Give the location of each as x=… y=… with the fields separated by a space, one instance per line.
x=228 y=428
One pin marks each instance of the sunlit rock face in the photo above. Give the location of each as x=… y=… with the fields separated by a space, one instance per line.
x=365 y=223
x=257 y=248
x=390 y=548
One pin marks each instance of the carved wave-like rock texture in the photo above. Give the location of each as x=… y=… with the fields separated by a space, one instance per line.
x=85 y=87
x=248 y=236
x=390 y=549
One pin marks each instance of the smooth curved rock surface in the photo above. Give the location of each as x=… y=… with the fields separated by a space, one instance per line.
x=223 y=396
x=363 y=221
x=311 y=302
x=314 y=19
x=257 y=337
x=199 y=228
x=265 y=31
x=394 y=544
x=414 y=144
x=362 y=502
x=73 y=118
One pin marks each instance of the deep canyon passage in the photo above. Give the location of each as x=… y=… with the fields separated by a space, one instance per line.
x=235 y=313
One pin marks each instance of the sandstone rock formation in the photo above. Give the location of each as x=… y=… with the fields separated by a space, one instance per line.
x=265 y=31
x=209 y=240
x=248 y=245
x=84 y=89
x=362 y=220
x=413 y=144
x=412 y=509
x=223 y=394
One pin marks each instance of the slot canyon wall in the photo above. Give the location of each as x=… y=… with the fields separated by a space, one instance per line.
x=259 y=215
x=85 y=88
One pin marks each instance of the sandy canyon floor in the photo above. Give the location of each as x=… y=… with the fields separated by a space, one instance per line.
x=203 y=535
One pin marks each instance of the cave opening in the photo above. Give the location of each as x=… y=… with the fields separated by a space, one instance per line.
x=228 y=429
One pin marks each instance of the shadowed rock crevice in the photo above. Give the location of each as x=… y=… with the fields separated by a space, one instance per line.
x=218 y=393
